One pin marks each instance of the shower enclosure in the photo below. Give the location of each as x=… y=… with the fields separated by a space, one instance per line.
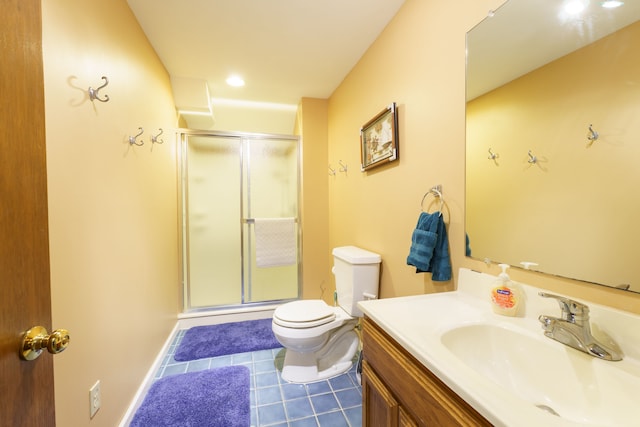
x=230 y=181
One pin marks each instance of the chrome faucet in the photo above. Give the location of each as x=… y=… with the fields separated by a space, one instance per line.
x=573 y=328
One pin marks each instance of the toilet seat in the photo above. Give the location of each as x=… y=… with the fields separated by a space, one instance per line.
x=304 y=314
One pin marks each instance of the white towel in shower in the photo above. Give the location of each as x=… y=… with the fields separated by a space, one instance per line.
x=275 y=242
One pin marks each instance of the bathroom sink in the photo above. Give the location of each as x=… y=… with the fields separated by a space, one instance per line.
x=548 y=375
x=505 y=367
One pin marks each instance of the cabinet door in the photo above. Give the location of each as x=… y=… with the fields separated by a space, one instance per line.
x=379 y=408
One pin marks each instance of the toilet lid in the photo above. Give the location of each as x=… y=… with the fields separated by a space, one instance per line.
x=304 y=314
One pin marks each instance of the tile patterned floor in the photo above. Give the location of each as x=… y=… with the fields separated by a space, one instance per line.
x=336 y=402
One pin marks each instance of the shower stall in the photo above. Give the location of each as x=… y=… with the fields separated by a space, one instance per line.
x=232 y=186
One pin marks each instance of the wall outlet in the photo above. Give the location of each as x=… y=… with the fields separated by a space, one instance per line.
x=95 y=399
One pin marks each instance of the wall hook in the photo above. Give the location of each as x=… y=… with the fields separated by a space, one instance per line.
x=492 y=155
x=332 y=171
x=343 y=167
x=132 y=139
x=154 y=138
x=593 y=135
x=532 y=159
x=93 y=93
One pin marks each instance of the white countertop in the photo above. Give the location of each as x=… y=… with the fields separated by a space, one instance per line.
x=418 y=322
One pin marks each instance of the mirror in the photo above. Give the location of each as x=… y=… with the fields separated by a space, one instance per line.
x=553 y=137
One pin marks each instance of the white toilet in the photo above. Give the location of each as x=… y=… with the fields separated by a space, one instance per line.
x=320 y=340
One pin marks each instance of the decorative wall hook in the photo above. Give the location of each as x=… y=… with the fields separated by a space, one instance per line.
x=332 y=171
x=532 y=159
x=343 y=167
x=94 y=93
x=154 y=138
x=133 y=139
x=593 y=135
x=492 y=155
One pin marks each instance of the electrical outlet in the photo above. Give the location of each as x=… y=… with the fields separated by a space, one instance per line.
x=95 y=400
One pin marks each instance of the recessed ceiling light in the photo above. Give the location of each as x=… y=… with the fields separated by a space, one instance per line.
x=611 y=4
x=235 y=81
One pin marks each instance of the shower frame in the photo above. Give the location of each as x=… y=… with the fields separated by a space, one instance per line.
x=183 y=136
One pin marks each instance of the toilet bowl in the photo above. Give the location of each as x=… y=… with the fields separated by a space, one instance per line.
x=316 y=348
x=319 y=339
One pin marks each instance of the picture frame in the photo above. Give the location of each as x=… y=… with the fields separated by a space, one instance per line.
x=379 y=139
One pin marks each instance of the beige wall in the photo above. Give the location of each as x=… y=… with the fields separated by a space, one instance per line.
x=311 y=124
x=418 y=62
x=112 y=207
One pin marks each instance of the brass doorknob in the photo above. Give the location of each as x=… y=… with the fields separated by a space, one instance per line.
x=36 y=339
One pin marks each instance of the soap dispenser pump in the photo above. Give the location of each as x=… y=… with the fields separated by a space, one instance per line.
x=505 y=295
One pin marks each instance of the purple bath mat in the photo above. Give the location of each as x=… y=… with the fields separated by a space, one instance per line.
x=212 y=398
x=201 y=342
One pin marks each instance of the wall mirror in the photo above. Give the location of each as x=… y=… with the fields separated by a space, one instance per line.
x=553 y=139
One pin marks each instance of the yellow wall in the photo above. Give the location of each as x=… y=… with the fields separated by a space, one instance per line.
x=519 y=208
x=112 y=207
x=311 y=124
x=418 y=62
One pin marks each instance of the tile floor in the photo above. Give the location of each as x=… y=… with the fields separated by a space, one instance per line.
x=336 y=402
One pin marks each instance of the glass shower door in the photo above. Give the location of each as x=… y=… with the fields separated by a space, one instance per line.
x=271 y=193
x=213 y=237
x=230 y=181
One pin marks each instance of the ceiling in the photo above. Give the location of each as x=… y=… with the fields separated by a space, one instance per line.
x=284 y=49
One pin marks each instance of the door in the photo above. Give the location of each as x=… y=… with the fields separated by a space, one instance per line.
x=26 y=388
x=229 y=180
x=379 y=407
x=212 y=212
x=271 y=187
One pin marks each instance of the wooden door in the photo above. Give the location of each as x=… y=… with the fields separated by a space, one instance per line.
x=26 y=388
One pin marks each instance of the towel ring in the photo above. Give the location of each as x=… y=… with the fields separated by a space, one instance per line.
x=435 y=191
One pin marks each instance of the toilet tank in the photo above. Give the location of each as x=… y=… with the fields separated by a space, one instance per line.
x=357 y=273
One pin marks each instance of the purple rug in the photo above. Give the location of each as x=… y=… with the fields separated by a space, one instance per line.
x=201 y=342
x=212 y=398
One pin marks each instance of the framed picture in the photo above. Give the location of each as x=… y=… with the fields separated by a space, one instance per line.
x=379 y=139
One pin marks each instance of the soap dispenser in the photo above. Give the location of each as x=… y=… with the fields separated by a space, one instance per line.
x=505 y=295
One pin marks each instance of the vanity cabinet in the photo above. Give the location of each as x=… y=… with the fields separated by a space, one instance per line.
x=399 y=391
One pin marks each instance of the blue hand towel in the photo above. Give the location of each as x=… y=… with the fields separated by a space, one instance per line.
x=423 y=242
x=441 y=262
x=468 y=245
x=430 y=247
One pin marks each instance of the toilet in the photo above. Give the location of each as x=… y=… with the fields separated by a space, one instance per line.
x=319 y=339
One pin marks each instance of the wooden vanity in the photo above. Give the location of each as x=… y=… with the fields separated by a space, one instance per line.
x=399 y=391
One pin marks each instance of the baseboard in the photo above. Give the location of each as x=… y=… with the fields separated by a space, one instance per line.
x=148 y=379
x=201 y=318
